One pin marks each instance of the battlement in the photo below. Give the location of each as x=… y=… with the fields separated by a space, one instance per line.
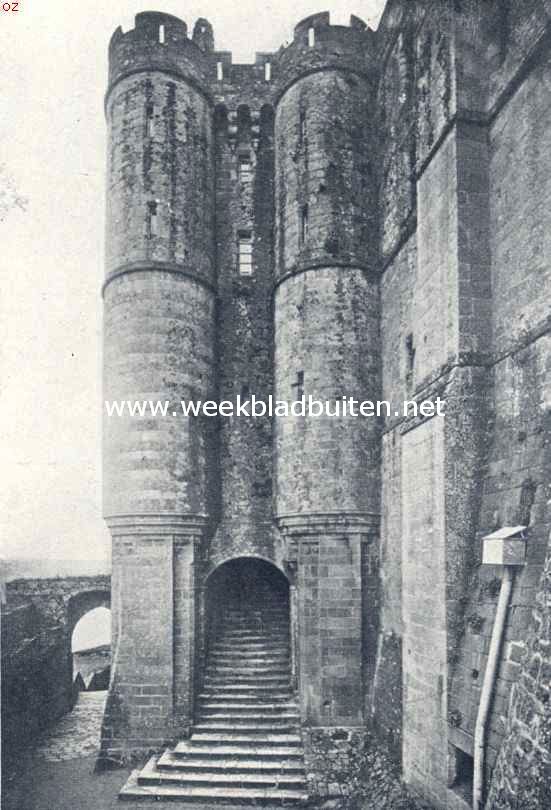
x=321 y=21
x=150 y=27
x=318 y=45
x=160 y=41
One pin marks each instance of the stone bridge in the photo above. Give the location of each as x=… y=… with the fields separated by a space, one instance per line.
x=38 y=620
x=61 y=600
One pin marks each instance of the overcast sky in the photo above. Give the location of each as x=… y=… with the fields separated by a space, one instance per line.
x=53 y=58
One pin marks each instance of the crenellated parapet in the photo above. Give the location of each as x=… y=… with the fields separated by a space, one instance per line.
x=318 y=45
x=160 y=42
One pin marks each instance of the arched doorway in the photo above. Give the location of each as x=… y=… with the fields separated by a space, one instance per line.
x=247 y=583
x=247 y=685
x=91 y=650
x=89 y=641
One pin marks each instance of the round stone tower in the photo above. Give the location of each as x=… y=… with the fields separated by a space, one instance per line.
x=327 y=346
x=159 y=300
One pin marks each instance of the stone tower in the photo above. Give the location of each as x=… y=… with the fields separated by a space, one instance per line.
x=202 y=157
x=159 y=299
x=357 y=215
x=327 y=345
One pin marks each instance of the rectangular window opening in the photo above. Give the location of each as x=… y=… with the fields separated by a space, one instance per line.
x=245 y=253
x=311 y=37
x=464 y=774
x=299 y=385
x=162 y=34
x=152 y=223
x=410 y=357
x=302 y=128
x=267 y=71
x=303 y=224
x=150 y=120
x=245 y=169
x=219 y=71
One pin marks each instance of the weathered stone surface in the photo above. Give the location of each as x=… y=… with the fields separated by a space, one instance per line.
x=392 y=189
x=37 y=623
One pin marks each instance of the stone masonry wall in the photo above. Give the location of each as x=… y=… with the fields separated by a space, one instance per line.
x=516 y=482
x=37 y=624
x=424 y=609
x=522 y=775
x=456 y=147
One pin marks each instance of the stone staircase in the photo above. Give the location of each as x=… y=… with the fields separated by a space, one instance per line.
x=245 y=746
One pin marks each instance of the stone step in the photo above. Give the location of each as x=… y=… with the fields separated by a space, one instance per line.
x=252 y=634
x=152 y=774
x=252 y=692
x=187 y=749
x=247 y=709
x=240 y=737
x=268 y=660
x=240 y=681
x=252 y=611
x=272 y=726
x=264 y=626
x=133 y=791
x=228 y=764
x=214 y=779
x=264 y=629
x=263 y=686
x=254 y=713
x=253 y=631
x=225 y=699
x=253 y=670
x=236 y=653
x=248 y=648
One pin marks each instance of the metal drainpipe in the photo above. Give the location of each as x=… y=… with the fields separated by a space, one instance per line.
x=489 y=683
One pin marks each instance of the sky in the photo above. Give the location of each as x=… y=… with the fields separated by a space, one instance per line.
x=53 y=58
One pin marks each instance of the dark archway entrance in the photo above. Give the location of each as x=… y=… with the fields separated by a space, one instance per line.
x=248 y=674
x=247 y=583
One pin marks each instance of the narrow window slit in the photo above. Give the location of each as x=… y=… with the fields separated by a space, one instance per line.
x=245 y=253
x=152 y=223
x=298 y=385
x=219 y=71
x=302 y=128
x=162 y=34
x=311 y=37
x=150 y=120
x=245 y=169
x=303 y=224
x=267 y=71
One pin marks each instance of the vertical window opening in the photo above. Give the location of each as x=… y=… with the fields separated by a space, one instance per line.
x=219 y=71
x=302 y=128
x=464 y=773
x=162 y=34
x=245 y=253
x=410 y=357
x=152 y=223
x=303 y=224
x=245 y=169
x=150 y=120
x=311 y=37
x=267 y=71
x=298 y=385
